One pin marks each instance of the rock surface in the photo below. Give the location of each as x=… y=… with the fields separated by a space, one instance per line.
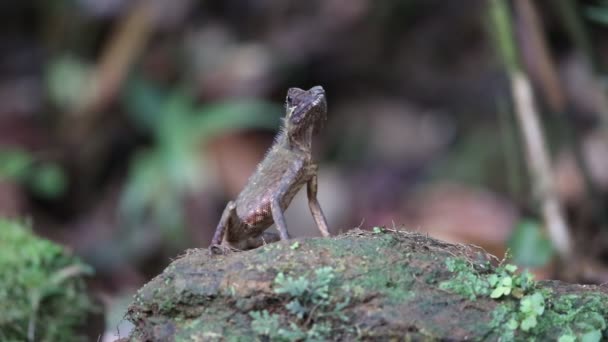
x=359 y=286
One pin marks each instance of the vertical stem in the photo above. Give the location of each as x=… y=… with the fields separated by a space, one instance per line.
x=539 y=63
x=539 y=164
x=537 y=156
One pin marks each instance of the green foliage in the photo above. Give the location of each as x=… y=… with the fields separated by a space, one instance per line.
x=294 y=287
x=69 y=80
x=42 y=291
x=14 y=164
x=466 y=282
x=501 y=283
x=310 y=306
x=529 y=246
x=566 y=317
x=264 y=323
x=531 y=307
x=567 y=338
x=598 y=13
x=45 y=179
x=502 y=30
x=48 y=180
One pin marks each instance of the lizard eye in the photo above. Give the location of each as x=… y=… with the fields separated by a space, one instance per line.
x=289 y=99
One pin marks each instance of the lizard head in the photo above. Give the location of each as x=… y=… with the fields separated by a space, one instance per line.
x=306 y=108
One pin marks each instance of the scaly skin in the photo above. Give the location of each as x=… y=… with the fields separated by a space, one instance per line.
x=288 y=165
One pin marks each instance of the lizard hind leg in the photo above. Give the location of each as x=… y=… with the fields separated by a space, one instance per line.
x=256 y=241
x=228 y=217
x=279 y=219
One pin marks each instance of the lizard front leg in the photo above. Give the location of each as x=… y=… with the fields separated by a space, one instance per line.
x=279 y=219
x=313 y=203
x=287 y=184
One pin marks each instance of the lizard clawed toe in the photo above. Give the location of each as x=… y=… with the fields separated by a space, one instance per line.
x=219 y=250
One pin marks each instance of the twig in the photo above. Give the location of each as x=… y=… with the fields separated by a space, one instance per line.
x=540 y=65
x=124 y=46
x=537 y=156
x=539 y=164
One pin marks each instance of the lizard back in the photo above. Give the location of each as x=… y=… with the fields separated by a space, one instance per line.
x=279 y=164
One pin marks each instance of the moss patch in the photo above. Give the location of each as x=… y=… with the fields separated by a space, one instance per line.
x=527 y=310
x=42 y=292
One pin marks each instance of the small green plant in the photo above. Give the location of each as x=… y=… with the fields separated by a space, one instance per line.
x=310 y=307
x=541 y=314
x=466 y=282
x=501 y=283
x=526 y=312
x=264 y=323
x=505 y=282
x=531 y=307
x=378 y=230
x=529 y=246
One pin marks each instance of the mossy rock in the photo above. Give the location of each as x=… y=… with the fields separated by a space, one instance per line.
x=43 y=295
x=360 y=286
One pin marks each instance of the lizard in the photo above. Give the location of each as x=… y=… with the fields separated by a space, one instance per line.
x=286 y=167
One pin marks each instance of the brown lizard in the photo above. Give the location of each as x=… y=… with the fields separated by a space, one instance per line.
x=287 y=166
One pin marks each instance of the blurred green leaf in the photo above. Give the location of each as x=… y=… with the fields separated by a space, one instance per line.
x=68 y=80
x=502 y=30
x=529 y=246
x=598 y=13
x=48 y=180
x=236 y=115
x=145 y=171
x=43 y=178
x=144 y=101
x=14 y=164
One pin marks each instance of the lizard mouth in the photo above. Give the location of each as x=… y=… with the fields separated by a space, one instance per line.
x=317 y=90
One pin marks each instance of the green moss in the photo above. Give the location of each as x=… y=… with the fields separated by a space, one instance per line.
x=214 y=328
x=312 y=308
x=394 y=282
x=565 y=317
x=471 y=283
x=42 y=293
x=526 y=313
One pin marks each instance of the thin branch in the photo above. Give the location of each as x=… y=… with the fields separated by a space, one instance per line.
x=537 y=156
x=539 y=164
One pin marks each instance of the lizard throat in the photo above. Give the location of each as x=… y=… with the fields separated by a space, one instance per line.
x=295 y=138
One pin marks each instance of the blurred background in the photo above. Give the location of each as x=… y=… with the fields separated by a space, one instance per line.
x=126 y=126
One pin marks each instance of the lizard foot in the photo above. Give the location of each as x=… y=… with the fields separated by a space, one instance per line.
x=219 y=250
